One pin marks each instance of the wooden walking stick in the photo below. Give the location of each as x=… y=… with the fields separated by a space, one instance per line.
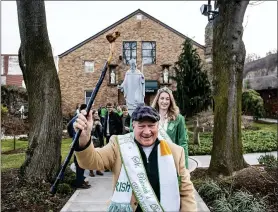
x=111 y=39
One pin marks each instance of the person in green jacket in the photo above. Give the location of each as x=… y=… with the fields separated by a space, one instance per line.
x=170 y=119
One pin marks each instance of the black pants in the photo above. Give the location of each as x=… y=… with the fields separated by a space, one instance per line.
x=79 y=180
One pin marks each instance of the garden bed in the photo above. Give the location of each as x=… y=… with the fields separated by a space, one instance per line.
x=18 y=195
x=258 y=138
x=252 y=187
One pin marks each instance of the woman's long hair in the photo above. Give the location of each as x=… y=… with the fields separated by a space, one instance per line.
x=173 y=110
x=95 y=119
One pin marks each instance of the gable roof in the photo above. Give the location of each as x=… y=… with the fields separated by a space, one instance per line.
x=121 y=21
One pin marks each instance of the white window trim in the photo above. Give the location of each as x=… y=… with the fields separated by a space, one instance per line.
x=2 y=65
x=13 y=66
x=84 y=64
x=85 y=102
x=142 y=56
x=132 y=41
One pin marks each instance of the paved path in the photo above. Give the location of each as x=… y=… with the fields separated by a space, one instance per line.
x=96 y=197
x=251 y=158
x=266 y=120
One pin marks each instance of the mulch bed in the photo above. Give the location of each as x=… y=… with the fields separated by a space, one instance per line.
x=254 y=179
x=18 y=195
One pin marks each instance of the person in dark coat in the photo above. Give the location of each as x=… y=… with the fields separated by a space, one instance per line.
x=97 y=137
x=80 y=179
x=112 y=123
x=125 y=120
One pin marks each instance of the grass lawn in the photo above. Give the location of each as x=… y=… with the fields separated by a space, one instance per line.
x=7 y=145
x=263 y=139
x=265 y=127
x=9 y=161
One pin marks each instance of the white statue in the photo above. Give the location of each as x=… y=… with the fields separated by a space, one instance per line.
x=21 y=110
x=113 y=77
x=166 y=75
x=133 y=87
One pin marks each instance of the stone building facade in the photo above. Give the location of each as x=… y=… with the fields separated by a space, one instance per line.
x=142 y=36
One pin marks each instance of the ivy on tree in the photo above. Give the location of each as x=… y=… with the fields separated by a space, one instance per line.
x=193 y=92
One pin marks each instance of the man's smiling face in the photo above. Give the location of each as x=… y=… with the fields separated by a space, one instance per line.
x=145 y=132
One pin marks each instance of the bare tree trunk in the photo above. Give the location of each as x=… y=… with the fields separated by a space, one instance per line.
x=228 y=63
x=44 y=96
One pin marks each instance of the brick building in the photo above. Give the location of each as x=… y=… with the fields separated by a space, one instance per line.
x=143 y=38
x=11 y=73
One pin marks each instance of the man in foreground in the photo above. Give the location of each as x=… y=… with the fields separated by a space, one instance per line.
x=146 y=170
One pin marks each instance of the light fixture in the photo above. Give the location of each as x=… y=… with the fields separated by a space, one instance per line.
x=206 y=10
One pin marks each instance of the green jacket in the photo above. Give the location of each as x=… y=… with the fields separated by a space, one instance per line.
x=103 y=112
x=177 y=132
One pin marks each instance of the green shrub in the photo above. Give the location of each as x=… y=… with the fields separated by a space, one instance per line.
x=258 y=141
x=253 y=141
x=244 y=201
x=210 y=191
x=221 y=200
x=204 y=148
x=252 y=104
x=222 y=205
x=4 y=110
x=270 y=161
x=64 y=188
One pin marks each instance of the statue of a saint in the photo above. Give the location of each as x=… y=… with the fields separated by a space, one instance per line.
x=133 y=87
x=165 y=75
x=21 y=110
x=113 y=77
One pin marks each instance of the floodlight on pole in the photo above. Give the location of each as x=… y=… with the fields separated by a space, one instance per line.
x=206 y=10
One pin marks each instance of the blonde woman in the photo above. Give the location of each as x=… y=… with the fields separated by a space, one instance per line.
x=171 y=121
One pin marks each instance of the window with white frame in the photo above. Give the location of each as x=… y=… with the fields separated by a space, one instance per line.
x=129 y=51
x=89 y=66
x=87 y=96
x=14 y=68
x=149 y=52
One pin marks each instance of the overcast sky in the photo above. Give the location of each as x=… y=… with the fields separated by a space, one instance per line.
x=69 y=23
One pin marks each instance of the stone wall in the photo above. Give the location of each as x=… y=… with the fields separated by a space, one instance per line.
x=75 y=81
